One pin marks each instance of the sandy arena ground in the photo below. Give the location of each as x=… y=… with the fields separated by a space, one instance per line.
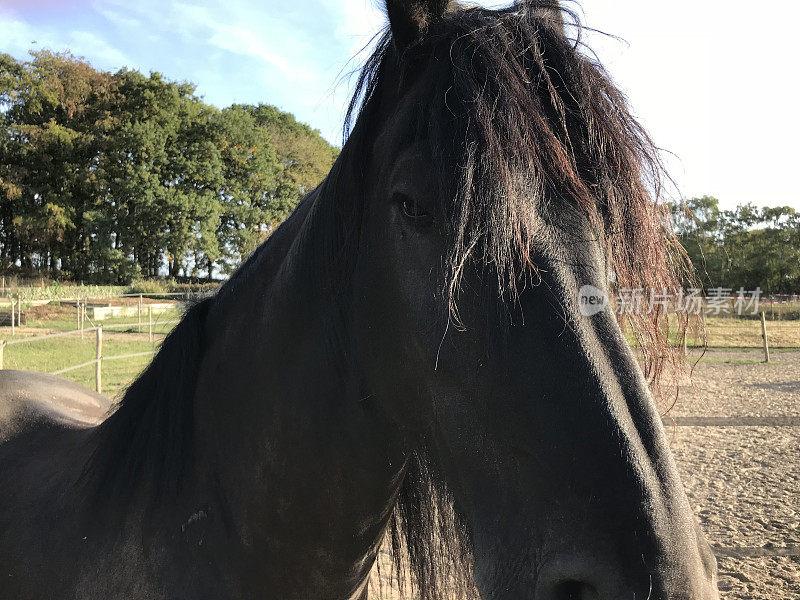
x=743 y=481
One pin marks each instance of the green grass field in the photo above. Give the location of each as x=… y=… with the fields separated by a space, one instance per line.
x=745 y=333
x=57 y=353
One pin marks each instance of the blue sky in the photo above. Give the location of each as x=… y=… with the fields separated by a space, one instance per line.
x=711 y=81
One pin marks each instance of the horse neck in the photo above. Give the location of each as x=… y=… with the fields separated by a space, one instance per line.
x=304 y=466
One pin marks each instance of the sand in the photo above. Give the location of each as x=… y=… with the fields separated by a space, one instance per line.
x=744 y=482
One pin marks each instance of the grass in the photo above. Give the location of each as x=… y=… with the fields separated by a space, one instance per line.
x=740 y=333
x=53 y=354
x=736 y=334
x=63 y=323
x=66 y=291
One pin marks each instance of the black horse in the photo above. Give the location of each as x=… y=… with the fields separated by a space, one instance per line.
x=405 y=354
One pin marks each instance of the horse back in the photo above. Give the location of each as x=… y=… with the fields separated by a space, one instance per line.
x=28 y=398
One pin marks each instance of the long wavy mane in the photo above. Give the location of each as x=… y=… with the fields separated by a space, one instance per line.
x=525 y=122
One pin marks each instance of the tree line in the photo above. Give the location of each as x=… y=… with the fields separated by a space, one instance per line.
x=746 y=247
x=106 y=177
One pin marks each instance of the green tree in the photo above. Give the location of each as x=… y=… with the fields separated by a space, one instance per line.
x=251 y=171
x=105 y=177
x=746 y=247
x=304 y=155
x=47 y=153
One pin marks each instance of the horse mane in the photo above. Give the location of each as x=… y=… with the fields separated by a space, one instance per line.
x=150 y=434
x=530 y=125
x=151 y=430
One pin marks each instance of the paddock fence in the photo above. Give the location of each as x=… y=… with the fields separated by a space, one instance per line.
x=84 y=321
x=99 y=356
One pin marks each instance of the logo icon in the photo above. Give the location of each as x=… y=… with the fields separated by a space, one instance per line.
x=591 y=300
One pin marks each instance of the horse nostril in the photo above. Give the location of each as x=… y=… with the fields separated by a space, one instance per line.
x=574 y=577
x=574 y=590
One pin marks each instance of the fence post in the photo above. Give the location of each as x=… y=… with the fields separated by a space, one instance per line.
x=12 y=316
x=764 y=336
x=139 y=328
x=2 y=353
x=98 y=365
x=19 y=312
x=77 y=315
x=150 y=321
x=82 y=305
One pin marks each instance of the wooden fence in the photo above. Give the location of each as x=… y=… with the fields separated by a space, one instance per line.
x=99 y=357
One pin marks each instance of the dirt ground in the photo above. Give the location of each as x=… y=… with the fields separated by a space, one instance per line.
x=742 y=481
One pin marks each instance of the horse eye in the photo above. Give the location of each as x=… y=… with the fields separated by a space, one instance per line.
x=412 y=210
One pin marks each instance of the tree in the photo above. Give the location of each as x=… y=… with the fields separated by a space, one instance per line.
x=105 y=177
x=303 y=153
x=746 y=247
x=251 y=172
x=47 y=154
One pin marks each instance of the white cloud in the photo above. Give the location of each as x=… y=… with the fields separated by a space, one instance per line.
x=92 y=46
x=113 y=15
x=248 y=32
x=21 y=37
x=358 y=21
x=18 y=34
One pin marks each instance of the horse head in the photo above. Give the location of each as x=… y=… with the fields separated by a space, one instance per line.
x=501 y=175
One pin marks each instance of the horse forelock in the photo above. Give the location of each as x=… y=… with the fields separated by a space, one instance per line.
x=517 y=119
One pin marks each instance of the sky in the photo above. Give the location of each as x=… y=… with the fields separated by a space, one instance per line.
x=713 y=81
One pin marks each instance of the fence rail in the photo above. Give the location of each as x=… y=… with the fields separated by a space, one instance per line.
x=48 y=336
x=74 y=367
x=36 y=338
x=97 y=361
x=98 y=329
